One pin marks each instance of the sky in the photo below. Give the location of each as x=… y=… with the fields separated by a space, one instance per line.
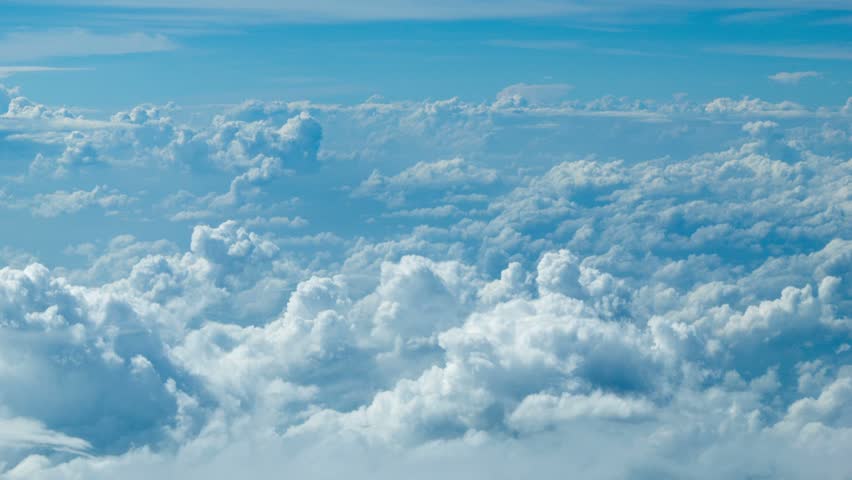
x=405 y=239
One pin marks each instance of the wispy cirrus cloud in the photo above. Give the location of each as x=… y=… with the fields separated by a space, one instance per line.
x=26 y=432
x=758 y=16
x=536 y=44
x=9 y=70
x=312 y=10
x=559 y=45
x=793 y=78
x=28 y=45
x=811 y=52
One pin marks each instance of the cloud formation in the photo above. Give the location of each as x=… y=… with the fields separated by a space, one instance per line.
x=429 y=288
x=793 y=78
x=28 y=45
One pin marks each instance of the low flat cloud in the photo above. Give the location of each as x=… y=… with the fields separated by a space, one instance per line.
x=793 y=78
x=811 y=52
x=34 y=44
x=9 y=70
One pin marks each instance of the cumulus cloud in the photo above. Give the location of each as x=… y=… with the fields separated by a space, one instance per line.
x=439 y=175
x=295 y=222
x=756 y=127
x=683 y=315
x=544 y=411
x=523 y=94
x=62 y=202
x=747 y=106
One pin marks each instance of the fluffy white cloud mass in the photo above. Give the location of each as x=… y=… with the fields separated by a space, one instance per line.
x=422 y=289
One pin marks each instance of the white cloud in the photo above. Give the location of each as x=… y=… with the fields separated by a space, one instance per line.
x=756 y=127
x=439 y=175
x=62 y=202
x=754 y=106
x=647 y=315
x=812 y=51
x=278 y=221
x=830 y=407
x=24 y=432
x=28 y=45
x=525 y=94
x=442 y=211
x=9 y=70
x=793 y=78
x=543 y=411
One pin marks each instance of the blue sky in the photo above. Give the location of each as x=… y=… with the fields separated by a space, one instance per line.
x=463 y=239
x=640 y=51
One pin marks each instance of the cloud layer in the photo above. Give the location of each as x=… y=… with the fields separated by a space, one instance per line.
x=614 y=288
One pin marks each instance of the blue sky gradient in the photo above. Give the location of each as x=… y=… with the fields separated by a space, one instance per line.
x=462 y=239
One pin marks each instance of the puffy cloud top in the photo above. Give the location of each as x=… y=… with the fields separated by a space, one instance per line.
x=227 y=292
